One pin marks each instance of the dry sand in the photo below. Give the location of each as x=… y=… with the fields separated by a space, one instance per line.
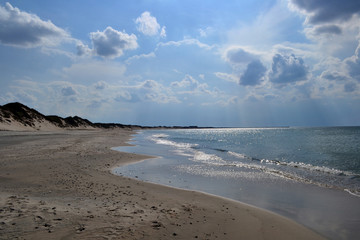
x=59 y=186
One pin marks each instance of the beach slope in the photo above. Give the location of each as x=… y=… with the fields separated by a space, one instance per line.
x=58 y=185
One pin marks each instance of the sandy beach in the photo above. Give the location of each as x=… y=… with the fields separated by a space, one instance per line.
x=58 y=185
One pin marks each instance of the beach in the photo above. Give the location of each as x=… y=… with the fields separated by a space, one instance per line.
x=59 y=185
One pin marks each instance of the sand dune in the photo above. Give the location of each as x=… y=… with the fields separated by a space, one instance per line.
x=18 y=117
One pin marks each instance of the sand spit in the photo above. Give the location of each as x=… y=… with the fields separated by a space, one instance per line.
x=59 y=186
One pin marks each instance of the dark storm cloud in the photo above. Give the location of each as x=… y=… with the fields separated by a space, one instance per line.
x=322 y=11
x=253 y=74
x=332 y=29
x=287 y=69
x=238 y=55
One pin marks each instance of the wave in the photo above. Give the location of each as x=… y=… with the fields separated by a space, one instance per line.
x=295 y=171
x=161 y=135
x=352 y=192
x=305 y=166
x=243 y=156
x=212 y=159
x=190 y=150
x=162 y=139
x=301 y=172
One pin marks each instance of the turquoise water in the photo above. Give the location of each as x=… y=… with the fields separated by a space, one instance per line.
x=311 y=175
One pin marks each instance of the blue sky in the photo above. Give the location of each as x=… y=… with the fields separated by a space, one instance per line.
x=205 y=63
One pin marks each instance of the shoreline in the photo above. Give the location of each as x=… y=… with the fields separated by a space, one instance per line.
x=329 y=211
x=59 y=185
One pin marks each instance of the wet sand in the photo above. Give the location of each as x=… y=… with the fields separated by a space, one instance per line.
x=58 y=185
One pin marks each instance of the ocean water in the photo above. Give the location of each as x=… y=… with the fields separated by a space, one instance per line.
x=311 y=175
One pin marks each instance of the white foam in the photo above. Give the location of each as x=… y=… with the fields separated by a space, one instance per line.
x=357 y=194
x=319 y=169
x=203 y=170
x=305 y=166
x=161 y=135
x=205 y=158
x=181 y=152
x=238 y=155
x=161 y=139
x=180 y=149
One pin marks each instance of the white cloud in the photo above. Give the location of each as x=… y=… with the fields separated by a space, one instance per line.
x=187 y=82
x=204 y=32
x=125 y=96
x=22 y=29
x=146 y=91
x=83 y=50
x=100 y=85
x=163 y=32
x=189 y=85
x=232 y=100
x=307 y=51
x=353 y=64
x=339 y=78
x=148 y=25
x=141 y=56
x=150 y=90
x=187 y=41
x=252 y=98
x=111 y=43
x=227 y=77
x=335 y=39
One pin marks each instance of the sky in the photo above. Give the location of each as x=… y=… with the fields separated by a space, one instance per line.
x=165 y=62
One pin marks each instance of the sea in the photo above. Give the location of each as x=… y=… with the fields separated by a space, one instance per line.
x=310 y=175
